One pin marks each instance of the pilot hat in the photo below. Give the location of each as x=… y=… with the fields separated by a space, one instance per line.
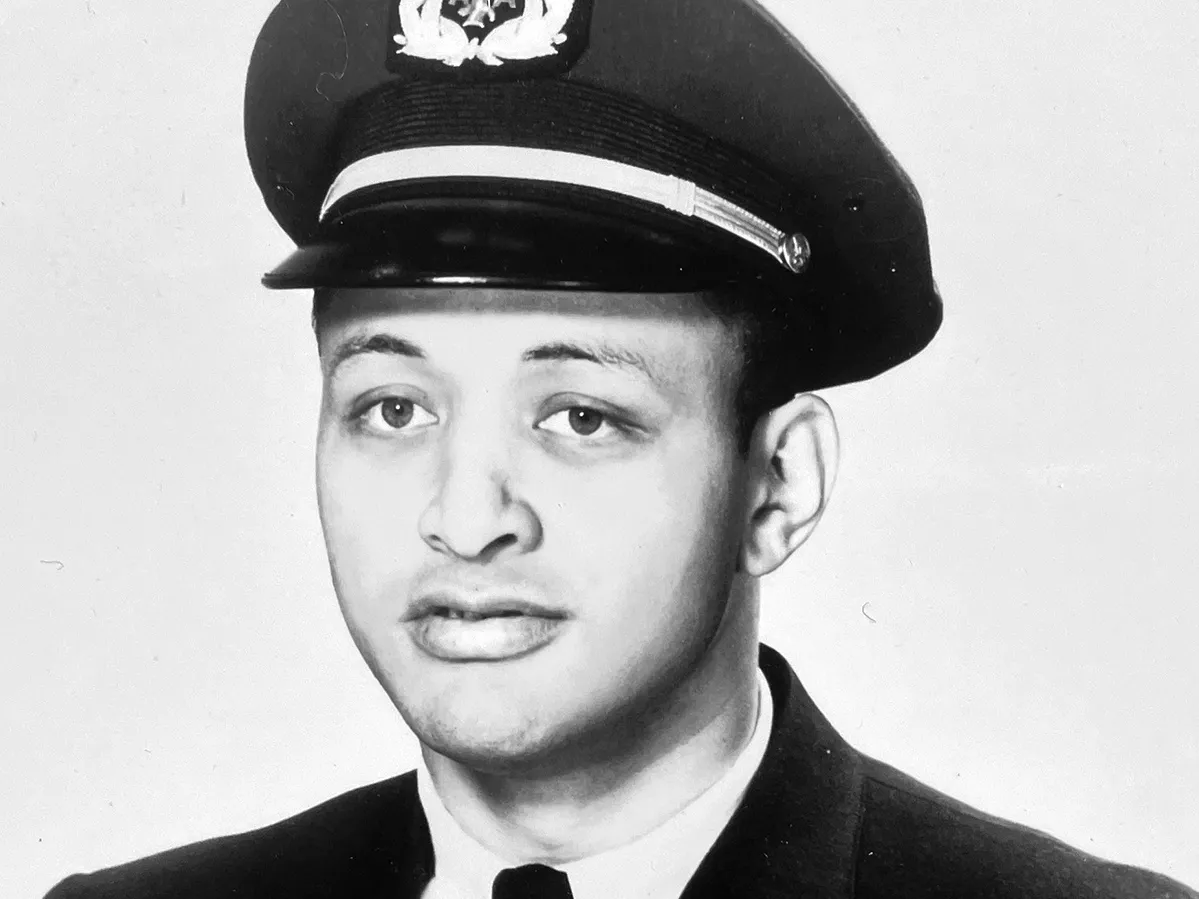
x=650 y=146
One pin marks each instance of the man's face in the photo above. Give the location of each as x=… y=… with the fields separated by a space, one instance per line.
x=532 y=506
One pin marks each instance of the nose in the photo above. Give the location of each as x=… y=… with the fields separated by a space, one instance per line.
x=474 y=514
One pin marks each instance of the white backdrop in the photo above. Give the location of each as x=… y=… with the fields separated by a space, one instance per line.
x=1002 y=599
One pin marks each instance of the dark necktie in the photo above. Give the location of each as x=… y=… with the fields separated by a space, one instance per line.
x=531 y=882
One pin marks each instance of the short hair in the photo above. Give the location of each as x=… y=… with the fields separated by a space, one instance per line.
x=765 y=338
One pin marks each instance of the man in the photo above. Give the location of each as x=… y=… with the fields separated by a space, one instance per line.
x=576 y=265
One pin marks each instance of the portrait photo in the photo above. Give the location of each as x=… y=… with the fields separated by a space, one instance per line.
x=722 y=447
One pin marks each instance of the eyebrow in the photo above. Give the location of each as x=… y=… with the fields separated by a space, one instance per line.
x=386 y=344
x=598 y=354
x=559 y=351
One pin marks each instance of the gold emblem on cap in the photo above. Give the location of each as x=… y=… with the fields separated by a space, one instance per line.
x=427 y=33
x=479 y=12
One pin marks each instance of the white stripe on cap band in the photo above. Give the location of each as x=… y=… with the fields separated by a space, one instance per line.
x=576 y=169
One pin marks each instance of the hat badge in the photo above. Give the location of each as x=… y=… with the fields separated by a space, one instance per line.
x=493 y=32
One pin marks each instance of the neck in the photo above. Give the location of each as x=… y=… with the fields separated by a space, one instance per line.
x=697 y=734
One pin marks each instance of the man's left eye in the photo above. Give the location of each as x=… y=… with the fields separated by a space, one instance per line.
x=577 y=421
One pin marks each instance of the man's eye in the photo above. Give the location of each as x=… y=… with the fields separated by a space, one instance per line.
x=577 y=421
x=395 y=413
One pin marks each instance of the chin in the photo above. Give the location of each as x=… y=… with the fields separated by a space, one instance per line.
x=525 y=736
x=496 y=742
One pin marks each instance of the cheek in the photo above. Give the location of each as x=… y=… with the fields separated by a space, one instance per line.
x=651 y=536
x=369 y=510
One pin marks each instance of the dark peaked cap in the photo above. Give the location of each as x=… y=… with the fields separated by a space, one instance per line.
x=613 y=145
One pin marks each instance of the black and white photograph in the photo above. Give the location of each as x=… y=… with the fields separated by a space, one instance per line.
x=599 y=449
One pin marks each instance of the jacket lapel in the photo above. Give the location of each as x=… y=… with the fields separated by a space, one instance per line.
x=795 y=832
x=415 y=869
x=393 y=858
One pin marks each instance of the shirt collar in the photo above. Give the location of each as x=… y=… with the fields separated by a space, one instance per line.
x=657 y=865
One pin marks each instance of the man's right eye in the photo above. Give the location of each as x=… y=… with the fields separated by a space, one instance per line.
x=394 y=413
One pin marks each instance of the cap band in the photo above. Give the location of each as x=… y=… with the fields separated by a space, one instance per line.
x=562 y=167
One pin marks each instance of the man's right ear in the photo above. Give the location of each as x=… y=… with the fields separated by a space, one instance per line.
x=793 y=461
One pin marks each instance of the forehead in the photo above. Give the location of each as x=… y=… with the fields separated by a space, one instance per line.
x=675 y=328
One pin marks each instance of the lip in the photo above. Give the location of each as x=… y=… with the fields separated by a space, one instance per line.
x=479 y=605
x=455 y=626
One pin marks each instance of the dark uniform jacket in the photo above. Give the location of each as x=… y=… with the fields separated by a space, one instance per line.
x=819 y=821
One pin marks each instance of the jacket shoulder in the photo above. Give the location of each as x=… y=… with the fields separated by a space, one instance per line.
x=918 y=842
x=315 y=853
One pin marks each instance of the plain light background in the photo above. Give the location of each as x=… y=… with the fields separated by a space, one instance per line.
x=1001 y=600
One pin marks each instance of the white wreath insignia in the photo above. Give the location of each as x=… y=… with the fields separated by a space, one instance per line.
x=428 y=34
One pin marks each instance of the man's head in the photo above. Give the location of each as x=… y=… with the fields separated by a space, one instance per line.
x=543 y=526
x=568 y=294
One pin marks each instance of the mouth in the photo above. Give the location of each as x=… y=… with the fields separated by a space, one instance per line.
x=452 y=614
x=475 y=607
x=481 y=628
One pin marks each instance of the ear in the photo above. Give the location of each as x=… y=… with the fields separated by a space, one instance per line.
x=792 y=466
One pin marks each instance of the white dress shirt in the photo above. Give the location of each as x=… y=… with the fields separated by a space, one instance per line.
x=657 y=865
